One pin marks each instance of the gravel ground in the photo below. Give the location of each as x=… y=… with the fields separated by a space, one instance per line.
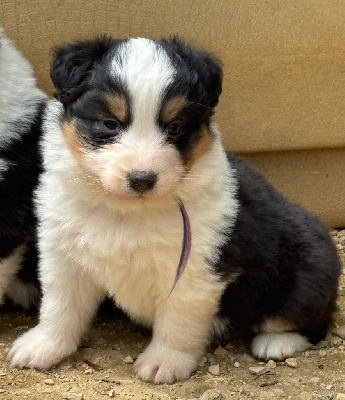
x=102 y=367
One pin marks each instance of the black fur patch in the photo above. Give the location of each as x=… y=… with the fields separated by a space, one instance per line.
x=198 y=79
x=198 y=72
x=73 y=65
x=286 y=259
x=18 y=219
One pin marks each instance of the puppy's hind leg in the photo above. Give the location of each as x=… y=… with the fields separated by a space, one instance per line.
x=70 y=298
x=277 y=341
x=278 y=346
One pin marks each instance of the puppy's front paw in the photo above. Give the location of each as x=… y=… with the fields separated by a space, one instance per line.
x=278 y=346
x=162 y=364
x=35 y=349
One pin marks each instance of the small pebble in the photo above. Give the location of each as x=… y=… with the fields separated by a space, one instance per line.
x=341 y=233
x=49 y=382
x=329 y=387
x=304 y=396
x=291 y=362
x=22 y=393
x=72 y=396
x=214 y=369
x=295 y=380
x=111 y=393
x=88 y=371
x=237 y=364
x=322 y=353
x=2 y=391
x=277 y=392
x=74 y=390
x=259 y=370
x=337 y=341
x=247 y=390
x=128 y=360
x=211 y=394
x=220 y=352
x=211 y=358
x=321 y=345
x=341 y=331
x=271 y=364
x=203 y=361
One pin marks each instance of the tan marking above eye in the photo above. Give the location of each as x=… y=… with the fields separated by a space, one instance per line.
x=118 y=106
x=172 y=108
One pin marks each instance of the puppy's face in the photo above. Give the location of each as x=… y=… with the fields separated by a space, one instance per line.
x=137 y=111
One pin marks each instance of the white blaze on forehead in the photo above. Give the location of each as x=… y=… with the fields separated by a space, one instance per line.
x=146 y=70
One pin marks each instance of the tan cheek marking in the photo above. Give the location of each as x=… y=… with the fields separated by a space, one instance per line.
x=118 y=106
x=71 y=137
x=202 y=146
x=172 y=108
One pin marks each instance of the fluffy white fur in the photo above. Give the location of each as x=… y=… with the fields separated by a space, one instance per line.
x=277 y=341
x=147 y=71
x=93 y=243
x=23 y=294
x=9 y=268
x=13 y=288
x=18 y=92
x=101 y=245
x=278 y=346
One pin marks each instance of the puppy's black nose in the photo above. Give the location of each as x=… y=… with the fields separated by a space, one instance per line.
x=142 y=181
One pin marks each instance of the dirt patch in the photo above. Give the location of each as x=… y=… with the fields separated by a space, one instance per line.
x=103 y=366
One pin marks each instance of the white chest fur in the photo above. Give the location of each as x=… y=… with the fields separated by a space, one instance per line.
x=132 y=251
x=132 y=255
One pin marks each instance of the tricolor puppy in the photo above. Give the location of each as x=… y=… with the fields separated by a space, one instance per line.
x=131 y=132
x=21 y=107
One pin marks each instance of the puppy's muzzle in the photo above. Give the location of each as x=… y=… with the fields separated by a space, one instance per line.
x=142 y=181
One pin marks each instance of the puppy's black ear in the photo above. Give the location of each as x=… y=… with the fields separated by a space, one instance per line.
x=72 y=65
x=207 y=66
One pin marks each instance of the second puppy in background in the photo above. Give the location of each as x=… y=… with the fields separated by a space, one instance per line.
x=21 y=109
x=133 y=130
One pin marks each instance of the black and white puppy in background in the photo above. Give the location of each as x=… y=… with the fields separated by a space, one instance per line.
x=133 y=130
x=21 y=108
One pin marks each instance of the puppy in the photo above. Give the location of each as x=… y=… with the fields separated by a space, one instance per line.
x=131 y=131
x=21 y=107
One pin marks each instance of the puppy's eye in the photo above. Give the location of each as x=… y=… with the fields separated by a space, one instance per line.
x=112 y=124
x=174 y=130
